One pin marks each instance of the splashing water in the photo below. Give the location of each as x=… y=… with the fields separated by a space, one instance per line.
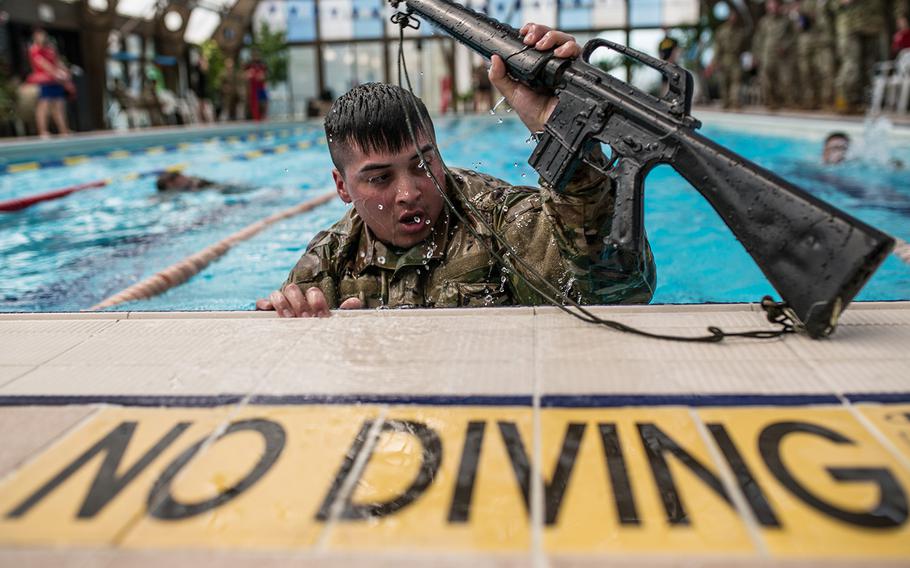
x=496 y=106
x=380 y=206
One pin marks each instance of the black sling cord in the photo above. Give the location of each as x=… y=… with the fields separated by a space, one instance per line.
x=776 y=311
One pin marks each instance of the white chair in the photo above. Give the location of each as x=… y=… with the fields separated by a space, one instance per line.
x=891 y=85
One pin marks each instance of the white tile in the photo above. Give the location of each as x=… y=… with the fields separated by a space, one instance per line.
x=25 y=431
x=33 y=342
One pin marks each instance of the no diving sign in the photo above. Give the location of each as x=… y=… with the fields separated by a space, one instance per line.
x=795 y=481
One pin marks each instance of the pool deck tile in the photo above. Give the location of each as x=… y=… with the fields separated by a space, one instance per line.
x=528 y=356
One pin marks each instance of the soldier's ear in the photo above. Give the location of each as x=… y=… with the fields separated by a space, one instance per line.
x=340 y=186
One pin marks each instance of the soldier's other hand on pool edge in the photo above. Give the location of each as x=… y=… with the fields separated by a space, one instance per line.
x=291 y=302
x=533 y=108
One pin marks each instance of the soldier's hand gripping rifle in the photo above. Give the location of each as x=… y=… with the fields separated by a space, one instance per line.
x=816 y=256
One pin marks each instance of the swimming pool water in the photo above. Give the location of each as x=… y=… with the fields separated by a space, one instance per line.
x=68 y=254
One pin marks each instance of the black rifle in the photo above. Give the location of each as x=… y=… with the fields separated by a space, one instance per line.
x=816 y=256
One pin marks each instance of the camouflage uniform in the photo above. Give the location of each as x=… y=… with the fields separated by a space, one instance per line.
x=775 y=46
x=730 y=42
x=815 y=49
x=861 y=42
x=560 y=234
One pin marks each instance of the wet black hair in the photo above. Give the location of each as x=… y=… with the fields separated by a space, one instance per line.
x=371 y=116
x=837 y=134
x=164 y=179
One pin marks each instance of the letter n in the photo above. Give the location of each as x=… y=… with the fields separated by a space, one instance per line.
x=106 y=484
x=657 y=444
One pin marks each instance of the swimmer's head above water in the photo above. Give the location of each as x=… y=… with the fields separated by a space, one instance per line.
x=175 y=181
x=837 y=144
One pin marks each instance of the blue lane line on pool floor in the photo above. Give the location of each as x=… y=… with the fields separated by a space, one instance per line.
x=548 y=401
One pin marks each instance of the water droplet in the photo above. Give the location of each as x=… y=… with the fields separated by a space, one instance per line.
x=524 y=175
x=417 y=218
x=488 y=298
x=286 y=170
x=362 y=254
x=427 y=221
x=380 y=206
x=381 y=260
x=499 y=121
x=492 y=111
x=515 y=164
x=424 y=261
x=420 y=165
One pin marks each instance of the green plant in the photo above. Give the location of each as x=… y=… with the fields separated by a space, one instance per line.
x=215 y=58
x=273 y=49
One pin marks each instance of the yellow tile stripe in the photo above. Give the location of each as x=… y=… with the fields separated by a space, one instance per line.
x=23 y=167
x=815 y=483
x=116 y=154
x=75 y=160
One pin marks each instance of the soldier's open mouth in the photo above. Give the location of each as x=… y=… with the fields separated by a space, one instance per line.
x=413 y=222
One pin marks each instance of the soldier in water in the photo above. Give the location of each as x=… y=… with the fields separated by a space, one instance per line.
x=403 y=245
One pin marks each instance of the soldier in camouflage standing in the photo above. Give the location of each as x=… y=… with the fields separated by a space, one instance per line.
x=815 y=49
x=410 y=243
x=729 y=44
x=774 y=47
x=861 y=42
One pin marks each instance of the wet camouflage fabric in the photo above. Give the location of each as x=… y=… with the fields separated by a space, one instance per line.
x=730 y=41
x=775 y=46
x=560 y=235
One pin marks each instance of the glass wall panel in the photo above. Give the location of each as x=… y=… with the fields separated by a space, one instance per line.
x=335 y=19
x=539 y=12
x=303 y=78
x=272 y=13
x=576 y=14
x=301 y=20
x=609 y=14
x=339 y=74
x=367 y=18
x=680 y=12
x=645 y=13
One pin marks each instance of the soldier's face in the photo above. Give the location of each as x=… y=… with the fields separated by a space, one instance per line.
x=393 y=193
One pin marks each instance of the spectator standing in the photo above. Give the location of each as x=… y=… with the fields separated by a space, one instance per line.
x=901 y=39
x=201 y=88
x=811 y=45
x=483 y=88
x=53 y=78
x=256 y=74
x=774 y=46
x=860 y=45
x=729 y=44
x=230 y=90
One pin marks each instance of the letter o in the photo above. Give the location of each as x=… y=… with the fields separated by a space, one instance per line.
x=161 y=503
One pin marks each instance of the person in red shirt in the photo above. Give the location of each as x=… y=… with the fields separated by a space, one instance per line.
x=52 y=78
x=901 y=38
x=256 y=73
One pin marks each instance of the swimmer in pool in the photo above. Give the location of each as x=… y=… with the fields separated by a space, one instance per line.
x=837 y=149
x=173 y=182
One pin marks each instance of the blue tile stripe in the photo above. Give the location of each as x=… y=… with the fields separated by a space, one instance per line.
x=549 y=401
x=32 y=165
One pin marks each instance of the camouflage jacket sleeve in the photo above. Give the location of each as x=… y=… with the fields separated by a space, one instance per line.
x=562 y=236
x=317 y=266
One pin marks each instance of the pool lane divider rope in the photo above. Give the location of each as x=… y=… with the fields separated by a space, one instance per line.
x=18 y=203
x=181 y=271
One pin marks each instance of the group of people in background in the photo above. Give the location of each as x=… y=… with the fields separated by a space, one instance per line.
x=808 y=54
